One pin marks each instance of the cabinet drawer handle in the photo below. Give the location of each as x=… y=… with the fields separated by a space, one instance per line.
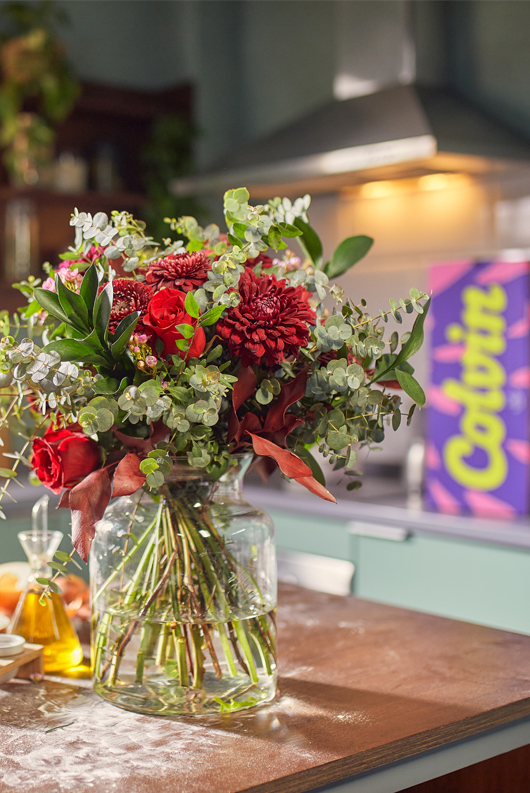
x=379 y=531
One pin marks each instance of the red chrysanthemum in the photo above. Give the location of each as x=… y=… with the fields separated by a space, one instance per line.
x=129 y=296
x=269 y=324
x=262 y=258
x=184 y=271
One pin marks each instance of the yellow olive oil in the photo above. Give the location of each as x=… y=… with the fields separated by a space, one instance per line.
x=44 y=621
x=48 y=625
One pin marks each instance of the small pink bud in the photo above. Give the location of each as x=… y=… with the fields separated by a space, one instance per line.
x=142 y=338
x=150 y=360
x=136 y=349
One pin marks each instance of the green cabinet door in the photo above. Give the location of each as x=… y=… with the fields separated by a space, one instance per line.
x=472 y=581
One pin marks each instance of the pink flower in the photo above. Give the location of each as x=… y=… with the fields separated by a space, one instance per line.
x=67 y=276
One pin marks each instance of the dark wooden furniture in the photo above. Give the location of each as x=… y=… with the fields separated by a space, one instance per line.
x=103 y=115
x=367 y=694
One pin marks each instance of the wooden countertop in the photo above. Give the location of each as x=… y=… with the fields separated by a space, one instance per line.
x=361 y=685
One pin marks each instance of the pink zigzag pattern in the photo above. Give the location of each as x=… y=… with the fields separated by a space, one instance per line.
x=441 y=402
x=485 y=505
x=502 y=272
x=449 y=353
x=521 y=327
x=520 y=378
x=519 y=449
x=445 y=274
x=432 y=457
x=443 y=499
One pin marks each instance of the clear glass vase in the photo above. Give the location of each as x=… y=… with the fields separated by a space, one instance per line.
x=184 y=598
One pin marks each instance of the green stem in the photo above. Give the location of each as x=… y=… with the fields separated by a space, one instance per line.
x=243 y=641
x=184 y=678
x=125 y=560
x=225 y=644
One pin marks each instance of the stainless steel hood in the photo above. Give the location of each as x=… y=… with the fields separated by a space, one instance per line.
x=382 y=124
x=400 y=131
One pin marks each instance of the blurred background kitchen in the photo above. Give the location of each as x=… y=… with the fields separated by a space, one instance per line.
x=407 y=120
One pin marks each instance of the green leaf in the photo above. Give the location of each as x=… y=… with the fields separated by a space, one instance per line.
x=288 y=230
x=108 y=385
x=57 y=566
x=102 y=309
x=309 y=242
x=412 y=345
x=50 y=303
x=411 y=387
x=235 y=241
x=89 y=287
x=73 y=306
x=7 y=473
x=63 y=556
x=186 y=331
x=72 y=350
x=348 y=253
x=211 y=316
x=123 y=333
x=215 y=353
x=191 y=306
x=156 y=479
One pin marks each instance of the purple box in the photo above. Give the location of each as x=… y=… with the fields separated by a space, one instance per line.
x=478 y=436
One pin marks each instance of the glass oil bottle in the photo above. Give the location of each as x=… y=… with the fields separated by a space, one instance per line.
x=45 y=623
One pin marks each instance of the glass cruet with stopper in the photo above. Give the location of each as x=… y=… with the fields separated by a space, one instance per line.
x=44 y=622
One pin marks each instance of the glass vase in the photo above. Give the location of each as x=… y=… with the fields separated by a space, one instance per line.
x=184 y=598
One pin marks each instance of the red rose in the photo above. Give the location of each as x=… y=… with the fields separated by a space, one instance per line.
x=63 y=457
x=164 y=312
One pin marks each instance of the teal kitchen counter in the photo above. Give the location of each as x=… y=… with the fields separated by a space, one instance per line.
x=466 y=568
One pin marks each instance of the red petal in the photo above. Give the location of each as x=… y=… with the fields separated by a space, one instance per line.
x=128 y=477
x=88 y=501
x=79 y=457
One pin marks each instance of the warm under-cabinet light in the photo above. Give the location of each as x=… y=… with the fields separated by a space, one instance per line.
x=377 y=189
x=440 y=181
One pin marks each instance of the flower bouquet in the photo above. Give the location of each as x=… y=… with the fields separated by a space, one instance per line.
x=162 y=371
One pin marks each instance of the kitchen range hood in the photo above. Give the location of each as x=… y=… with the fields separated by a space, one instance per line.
x=399 y=131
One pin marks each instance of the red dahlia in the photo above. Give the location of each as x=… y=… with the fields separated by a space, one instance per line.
x=184 y=271
x=262 y=258
x=270 y=322
x=129 y=296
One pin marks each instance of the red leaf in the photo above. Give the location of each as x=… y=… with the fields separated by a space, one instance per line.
x=290 y=393
x=245 y=386
x=88 y=501
x=315 y=487
x=291 y=466
x=128 y=478
x=64 y=501
x=291 y=421
x=249 y=423
x=159 y=432
x=289 y=463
